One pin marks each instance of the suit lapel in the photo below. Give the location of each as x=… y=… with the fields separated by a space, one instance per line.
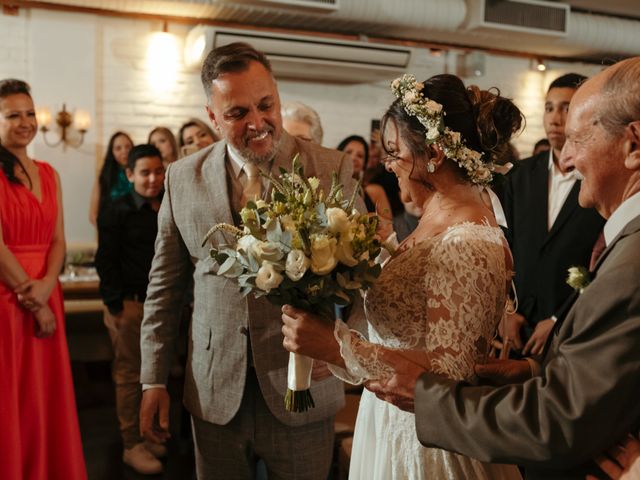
x=569 y=206
x=214 y=173
x=632 y=227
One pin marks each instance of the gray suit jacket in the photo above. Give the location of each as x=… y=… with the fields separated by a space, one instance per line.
x=196 y=197
x=587 y=398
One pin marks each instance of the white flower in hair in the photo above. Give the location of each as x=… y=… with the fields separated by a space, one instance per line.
x=430 y=114
x=410 y=97
x=432 y=133
x=484 y=173
x=433 y=106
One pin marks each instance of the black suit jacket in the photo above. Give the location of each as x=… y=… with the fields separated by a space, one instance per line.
x=542 y=256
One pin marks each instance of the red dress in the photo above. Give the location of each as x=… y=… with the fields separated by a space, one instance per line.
x=39 y=434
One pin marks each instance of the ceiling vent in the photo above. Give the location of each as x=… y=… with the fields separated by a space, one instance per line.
x=534 y=17
x=306 y=57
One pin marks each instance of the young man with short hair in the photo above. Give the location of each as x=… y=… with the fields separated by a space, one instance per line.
x=126 y=236
x=548 y=231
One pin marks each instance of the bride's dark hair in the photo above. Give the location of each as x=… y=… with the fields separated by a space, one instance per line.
x=485 y=119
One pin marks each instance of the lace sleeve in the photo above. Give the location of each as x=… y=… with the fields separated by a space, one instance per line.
x=450 y=311
x=360 y=357
x=466 y=292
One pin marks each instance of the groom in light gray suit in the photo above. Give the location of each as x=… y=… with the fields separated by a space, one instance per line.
x=586 y=397
x=236 y=375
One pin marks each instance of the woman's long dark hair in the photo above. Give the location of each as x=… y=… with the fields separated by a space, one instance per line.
x=8 y=161
x=110 y=168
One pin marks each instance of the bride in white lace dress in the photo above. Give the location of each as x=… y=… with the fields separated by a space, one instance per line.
x=440 y=297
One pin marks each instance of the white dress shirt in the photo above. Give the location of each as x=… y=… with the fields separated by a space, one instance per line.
x=560 y=184
x=627 y=211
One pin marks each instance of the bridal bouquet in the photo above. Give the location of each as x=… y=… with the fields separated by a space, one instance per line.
x=306 y=248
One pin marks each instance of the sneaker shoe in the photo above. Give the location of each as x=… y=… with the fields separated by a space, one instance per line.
x=141 y=460
x=158 y=450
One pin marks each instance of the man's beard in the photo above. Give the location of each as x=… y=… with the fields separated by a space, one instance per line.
x=250 y=156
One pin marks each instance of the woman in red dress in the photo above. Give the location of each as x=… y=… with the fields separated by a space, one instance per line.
x=39 y=434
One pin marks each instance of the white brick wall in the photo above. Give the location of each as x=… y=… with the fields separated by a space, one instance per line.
x=99 y=64
x=14 y=38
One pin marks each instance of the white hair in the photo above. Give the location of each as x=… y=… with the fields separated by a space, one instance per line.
x=304 y=113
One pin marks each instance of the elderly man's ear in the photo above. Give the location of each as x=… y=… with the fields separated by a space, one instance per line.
x=632 y=146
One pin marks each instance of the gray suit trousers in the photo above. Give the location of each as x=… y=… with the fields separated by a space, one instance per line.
x=232 y=451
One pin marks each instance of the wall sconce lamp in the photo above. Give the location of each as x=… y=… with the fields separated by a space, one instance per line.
x=540 y=65
x=81 y=122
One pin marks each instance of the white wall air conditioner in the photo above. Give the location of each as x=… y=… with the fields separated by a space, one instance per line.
x=306 y=57
x=528 y=17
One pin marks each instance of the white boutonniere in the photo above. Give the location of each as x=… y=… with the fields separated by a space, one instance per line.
x=578 y=278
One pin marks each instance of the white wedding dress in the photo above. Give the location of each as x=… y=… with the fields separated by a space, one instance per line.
x=444 y=295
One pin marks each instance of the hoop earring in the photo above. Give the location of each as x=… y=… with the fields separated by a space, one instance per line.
x=431 y=167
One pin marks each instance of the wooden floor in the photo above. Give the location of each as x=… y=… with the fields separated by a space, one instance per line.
x=99 y=427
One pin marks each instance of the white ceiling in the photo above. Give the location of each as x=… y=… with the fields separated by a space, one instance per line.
x=593 y=33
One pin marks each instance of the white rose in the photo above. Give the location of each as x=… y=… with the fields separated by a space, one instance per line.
x=483 y=174
x=337 y=220
x=434 y=106
x=410 y=97
x=323 y=258
x=267 y=251
x=344 y=252
x=268 y=277
x=296 y=265
x=433 y=133
x=473 y=155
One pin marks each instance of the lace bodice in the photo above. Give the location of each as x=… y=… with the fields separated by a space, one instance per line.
x=444 y=296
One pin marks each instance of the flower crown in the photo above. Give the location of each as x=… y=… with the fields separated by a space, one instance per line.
x=431 y=116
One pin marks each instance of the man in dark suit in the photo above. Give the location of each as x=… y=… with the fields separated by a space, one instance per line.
x=586 y=397
x=547 y=230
